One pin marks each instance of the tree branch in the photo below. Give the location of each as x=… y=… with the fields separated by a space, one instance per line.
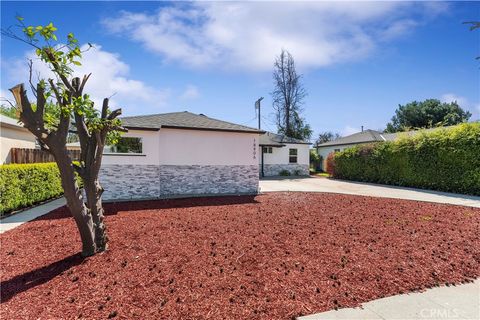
x=114 y=114
x=30 y=67
x=55 y=91
x=84 y=82
x=29 y=118
x=64 y=79
x=104 y=108
x=40 y=104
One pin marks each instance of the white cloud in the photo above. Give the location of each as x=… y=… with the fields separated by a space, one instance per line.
x=348 y=130
x=190 y=93
x=110 y=78
x=451 y=97
x=464 y=103
x=249 y=35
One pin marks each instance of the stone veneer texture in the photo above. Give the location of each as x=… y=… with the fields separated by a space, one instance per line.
x=152 y=181
x=270 y=170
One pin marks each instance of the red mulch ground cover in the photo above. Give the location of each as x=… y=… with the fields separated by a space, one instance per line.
x=274 y=256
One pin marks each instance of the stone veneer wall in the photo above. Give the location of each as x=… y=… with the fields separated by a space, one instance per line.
x=270 y=170
x=123 y=182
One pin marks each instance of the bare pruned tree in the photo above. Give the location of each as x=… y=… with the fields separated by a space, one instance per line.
x=288 y=97
x=61 y=105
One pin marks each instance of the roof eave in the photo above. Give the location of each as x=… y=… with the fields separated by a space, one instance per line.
x=141 y=128
x=213 y=129
x=271 y=145
x=342 y=144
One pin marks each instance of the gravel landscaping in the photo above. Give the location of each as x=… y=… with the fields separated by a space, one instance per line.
x=273 y=256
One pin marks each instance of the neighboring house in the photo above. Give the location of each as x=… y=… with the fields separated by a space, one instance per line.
x=13 y=135
x=281 y=153
x=365 y=136
x=181 y=153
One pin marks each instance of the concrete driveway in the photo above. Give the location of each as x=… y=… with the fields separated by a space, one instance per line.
x=321 y=184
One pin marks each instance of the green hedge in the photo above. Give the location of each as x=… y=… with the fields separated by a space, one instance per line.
x=22 y=185
x=446 y=159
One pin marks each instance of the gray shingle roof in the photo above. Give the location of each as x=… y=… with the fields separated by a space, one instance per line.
x=359 y=137
x=183 y=120
x=278 y=140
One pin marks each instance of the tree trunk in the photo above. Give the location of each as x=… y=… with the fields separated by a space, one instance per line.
x=94 y=192
x=75 y=203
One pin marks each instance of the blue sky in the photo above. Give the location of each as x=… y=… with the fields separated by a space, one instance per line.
x=359 y=60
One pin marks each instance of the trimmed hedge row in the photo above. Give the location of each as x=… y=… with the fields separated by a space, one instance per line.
x=446 y=159
x=22 y=185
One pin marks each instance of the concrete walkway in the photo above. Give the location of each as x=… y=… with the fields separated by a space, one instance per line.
x=459 y=302
x=320 y=184
x=30 y=214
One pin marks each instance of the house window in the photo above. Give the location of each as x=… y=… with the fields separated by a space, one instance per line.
x=267 y=149
x=336 y=150
x=126 y=145
x=292 y=153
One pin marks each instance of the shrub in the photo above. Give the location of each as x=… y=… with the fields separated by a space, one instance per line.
x=22 y=185
x=330 y=164
x=315 y=159
x=284 y=173
x=297 y=172
x=446 y=159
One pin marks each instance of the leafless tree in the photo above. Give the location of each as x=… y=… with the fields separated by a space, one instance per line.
x=288 y=97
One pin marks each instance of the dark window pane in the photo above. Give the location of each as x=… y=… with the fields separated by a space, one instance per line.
x=127 y=145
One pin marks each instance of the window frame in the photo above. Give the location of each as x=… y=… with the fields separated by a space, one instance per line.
x=292 y=155
x=141 y=153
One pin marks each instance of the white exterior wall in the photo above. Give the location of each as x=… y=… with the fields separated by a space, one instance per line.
x=180 y=162
x=325 y=151
x=150 y=148
x=14 y=137
x=201 y=147
x=190 y=147
x=281 y=155
x=279 y=160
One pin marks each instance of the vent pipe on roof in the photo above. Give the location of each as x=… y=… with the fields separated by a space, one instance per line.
x=362 y=128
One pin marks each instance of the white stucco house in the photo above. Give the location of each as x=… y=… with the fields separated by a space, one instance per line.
x=282 y=153
x=178 y=154
x=13 y=135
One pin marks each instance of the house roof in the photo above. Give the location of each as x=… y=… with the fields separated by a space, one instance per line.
x=10 y=122
x=359 y=137
x=278 y=140
x=183 y=120
x=372 y=136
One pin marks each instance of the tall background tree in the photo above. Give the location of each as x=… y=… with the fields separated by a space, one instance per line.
x=61 y=105
x=427 y=114
x=288 y=97
x=326 y=136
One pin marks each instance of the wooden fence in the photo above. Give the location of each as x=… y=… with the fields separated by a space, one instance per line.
x=21 y=155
